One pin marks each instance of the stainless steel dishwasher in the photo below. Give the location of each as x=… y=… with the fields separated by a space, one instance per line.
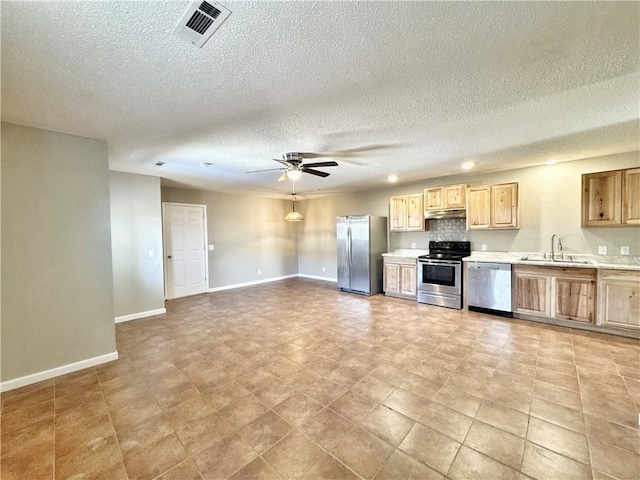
x=489 y=287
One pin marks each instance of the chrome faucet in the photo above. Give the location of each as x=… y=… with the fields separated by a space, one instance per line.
x=553 y=253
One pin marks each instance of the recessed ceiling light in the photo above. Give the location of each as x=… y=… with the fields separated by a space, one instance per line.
x=551 y=162
x=206 y=164
x=392 y=178
x=159 y=164
x=468 y=165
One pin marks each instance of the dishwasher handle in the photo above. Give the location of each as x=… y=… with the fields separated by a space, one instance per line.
x=489 y=266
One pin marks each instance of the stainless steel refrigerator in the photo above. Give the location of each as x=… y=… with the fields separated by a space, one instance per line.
x=362 y=239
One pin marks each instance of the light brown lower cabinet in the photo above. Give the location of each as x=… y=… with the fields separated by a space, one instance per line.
x=400 y=277
x=555 y=292
x=532 y=293
x=619 y=299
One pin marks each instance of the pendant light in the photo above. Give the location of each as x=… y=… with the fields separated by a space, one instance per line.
x=293 y=215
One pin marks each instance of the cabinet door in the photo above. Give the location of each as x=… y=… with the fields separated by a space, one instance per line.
x=601 y=199
x=453 y=196
x=408 y=279
x=391 y=278
x=532 y=294
x=574 y=299
x=619 y=299
x=433 y=198
x=415 y=212
x=398 y=214
x=504 y=206
x=478 y=208
x=631 y=197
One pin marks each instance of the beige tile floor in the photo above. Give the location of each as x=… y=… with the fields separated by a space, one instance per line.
x=294 y=379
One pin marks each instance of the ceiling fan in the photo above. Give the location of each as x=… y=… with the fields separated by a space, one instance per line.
x=294 y=166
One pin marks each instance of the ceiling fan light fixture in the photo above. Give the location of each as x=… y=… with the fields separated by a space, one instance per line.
x=294 y=173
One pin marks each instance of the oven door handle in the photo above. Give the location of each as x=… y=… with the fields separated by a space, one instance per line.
x=439 y=262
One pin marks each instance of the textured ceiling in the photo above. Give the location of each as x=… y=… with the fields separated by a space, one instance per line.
x=429 y=84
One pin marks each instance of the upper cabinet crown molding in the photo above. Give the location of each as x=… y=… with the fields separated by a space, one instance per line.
x=493 y=207
x=407 y=213
x=445 y=198
x=611 y=198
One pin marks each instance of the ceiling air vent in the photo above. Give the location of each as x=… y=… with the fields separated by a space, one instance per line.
x=200 y=21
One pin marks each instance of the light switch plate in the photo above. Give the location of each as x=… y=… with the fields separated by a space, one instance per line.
x=624 y=250
x=210 y=247
x=413 y=244
x=152 y=254
x=602 y=250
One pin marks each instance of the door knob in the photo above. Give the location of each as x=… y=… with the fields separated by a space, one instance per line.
x=169 y=256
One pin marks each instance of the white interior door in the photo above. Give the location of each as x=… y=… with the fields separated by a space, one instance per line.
x=184 y=242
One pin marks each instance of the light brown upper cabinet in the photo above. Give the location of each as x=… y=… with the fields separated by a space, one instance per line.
x=631 y=197
x=398 y=212
x=493 y=207
x=611 y=198
x=407 y=213
x=445 y=198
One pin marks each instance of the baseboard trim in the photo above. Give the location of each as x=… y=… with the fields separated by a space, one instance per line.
x=136 y=316
x=317 y=277
x=56 y=372
x=248 y=284
x=272 y=279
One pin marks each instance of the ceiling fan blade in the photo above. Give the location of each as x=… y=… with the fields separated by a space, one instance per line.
x=283 y=177
x=266 y=170
x=314 y=172
x=320 y=164
x=344 y=153
x=283 y=162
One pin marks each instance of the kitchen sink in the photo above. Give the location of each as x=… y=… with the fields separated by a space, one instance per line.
x=566 y=260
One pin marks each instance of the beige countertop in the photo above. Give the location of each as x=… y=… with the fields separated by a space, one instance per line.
x=570 y=260
x=406 y=252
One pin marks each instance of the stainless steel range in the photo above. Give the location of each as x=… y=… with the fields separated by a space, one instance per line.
x=440 y=274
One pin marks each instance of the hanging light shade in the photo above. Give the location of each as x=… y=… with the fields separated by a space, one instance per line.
x=293 y=215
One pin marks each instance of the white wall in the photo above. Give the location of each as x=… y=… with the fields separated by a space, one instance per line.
x=248 y=233
x=57 y=283
x=136 y=229
x=550 y=199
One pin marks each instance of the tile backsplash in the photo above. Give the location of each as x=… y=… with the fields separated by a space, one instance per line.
x=448 y=229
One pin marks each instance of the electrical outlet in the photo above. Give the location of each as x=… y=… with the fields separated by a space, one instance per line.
x=210 y=247
x=484 y=247
x=624 y=250
x=259 y=272
x=413 y=244
x=602 y=250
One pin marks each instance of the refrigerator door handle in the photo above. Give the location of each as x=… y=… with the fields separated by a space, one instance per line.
x=349 y=245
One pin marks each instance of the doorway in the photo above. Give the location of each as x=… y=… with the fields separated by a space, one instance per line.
x=185 y=238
